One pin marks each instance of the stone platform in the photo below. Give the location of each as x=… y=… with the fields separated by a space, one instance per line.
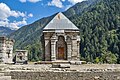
x=61 y=62
x=52 y=62
x=74 y=72
x=4 y=77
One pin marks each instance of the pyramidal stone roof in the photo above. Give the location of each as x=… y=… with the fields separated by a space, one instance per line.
x=60 y=22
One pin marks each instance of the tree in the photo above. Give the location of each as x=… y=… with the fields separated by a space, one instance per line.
x=108 y=57
x=97 y=60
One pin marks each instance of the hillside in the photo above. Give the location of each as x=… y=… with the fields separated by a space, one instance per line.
x=99 y=24
x=100 y=32
x=4 y=31
x=29 y=33
x=79 y=8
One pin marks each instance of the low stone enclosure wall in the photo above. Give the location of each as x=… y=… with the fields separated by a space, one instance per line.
x=47 y=75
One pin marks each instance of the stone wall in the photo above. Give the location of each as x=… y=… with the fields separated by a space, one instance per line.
x=74 y=75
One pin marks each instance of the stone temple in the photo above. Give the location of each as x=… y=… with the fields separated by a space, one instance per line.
x=61 y=40
x=21 y=57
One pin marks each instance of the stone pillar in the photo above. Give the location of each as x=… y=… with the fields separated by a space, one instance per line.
x=47 y=50
x=4 y=51
x=53 y=47
x=9 y=49
x=53 y=52
x=69 y=51
x=78 y=46
x=74 y=50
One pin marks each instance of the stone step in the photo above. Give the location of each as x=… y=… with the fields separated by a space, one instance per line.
x=1 y=74
x=64 y=65
x=77 y=62
x=52 y=62
x=60 y=65
x=5 y=77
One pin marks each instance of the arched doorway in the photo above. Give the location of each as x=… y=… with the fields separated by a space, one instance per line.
x=61 y=49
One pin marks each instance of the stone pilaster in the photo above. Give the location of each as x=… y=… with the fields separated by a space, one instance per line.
x=53 y=47
x=4 y=51
x=53 y=54
x=78 y=48
x=74 y=50
x=69 y=51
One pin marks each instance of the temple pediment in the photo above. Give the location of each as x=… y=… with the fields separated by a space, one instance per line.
x=60 y=22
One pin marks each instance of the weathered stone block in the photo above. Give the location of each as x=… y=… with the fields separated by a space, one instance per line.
x=55 y=65
x=5 y=77
x=64 y=65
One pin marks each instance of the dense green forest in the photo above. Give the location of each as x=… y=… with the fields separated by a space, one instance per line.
x=99 y=24
x=100 y=32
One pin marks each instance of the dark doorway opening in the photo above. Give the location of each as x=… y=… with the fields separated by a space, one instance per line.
x=61 y=49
